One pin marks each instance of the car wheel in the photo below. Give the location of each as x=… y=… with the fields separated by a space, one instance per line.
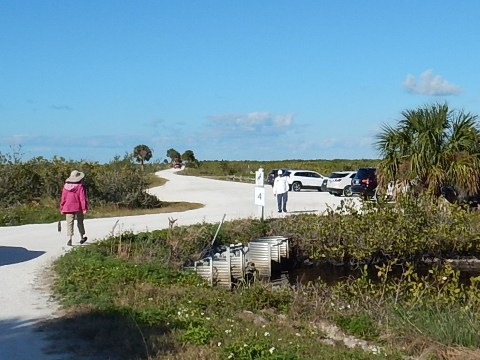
x=347 y=191
x=296 y=186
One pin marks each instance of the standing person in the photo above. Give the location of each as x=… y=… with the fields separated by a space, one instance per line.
x=74 y=204
x=280 y=190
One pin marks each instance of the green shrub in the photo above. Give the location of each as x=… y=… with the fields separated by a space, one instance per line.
x=260 y=296
x=360 y=325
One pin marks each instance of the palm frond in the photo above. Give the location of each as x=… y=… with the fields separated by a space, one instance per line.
x=433 y=145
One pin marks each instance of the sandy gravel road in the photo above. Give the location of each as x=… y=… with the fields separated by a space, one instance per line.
x=27 y=251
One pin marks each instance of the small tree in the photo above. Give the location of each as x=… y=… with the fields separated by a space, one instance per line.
x=173 y=154
x=189 y=156
x=142 y=153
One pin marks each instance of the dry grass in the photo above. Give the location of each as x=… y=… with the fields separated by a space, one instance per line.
x=154 y=181
x=112 y=211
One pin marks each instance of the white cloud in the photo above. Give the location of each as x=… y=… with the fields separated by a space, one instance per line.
x=282 y=121
x=258 y=122
x=430 y=84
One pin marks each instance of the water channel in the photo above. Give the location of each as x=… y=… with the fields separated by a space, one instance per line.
x=332 y=273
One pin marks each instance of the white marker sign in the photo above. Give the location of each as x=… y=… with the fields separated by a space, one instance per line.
x=259 y=177
x=259 y=196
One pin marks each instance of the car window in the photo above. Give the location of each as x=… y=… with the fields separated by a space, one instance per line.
x=365 y=173
x=335 y=175
x=362 y=173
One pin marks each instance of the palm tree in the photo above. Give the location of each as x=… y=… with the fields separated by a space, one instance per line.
x=142 y=153
x=434 y=146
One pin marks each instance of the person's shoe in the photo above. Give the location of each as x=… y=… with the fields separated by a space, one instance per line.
x=69 y=243
x=84 y=238
x=279 y=211
x=284 y=210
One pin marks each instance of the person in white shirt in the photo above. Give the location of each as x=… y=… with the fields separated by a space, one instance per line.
x=281 y=186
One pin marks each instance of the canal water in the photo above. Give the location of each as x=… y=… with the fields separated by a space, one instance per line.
x=332 y=273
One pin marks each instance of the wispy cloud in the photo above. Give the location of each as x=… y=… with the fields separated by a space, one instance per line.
x=430 y=84
x=250 y=124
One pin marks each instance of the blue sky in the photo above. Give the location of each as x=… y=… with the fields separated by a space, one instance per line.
x=232 y=80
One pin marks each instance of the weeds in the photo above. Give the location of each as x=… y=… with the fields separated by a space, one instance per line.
x=449 y=326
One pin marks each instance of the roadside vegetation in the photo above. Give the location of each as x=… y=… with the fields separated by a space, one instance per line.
x=401 y=294
x=399 y=298
x=30 y=190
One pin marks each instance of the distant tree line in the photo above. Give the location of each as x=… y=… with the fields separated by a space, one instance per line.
x=143 y=153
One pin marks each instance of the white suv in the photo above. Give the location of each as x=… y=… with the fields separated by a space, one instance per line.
x=340 y=182
x=305 y=179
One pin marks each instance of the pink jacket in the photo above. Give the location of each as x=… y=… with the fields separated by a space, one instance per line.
x=74 y=198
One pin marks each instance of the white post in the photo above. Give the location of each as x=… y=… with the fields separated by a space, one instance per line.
x=259 y=192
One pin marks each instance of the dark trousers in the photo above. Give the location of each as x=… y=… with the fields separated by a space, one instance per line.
x=282 y=201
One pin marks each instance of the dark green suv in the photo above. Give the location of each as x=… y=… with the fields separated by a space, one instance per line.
x=365 y=182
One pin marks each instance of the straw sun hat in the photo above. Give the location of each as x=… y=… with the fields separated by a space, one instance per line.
x=75 y=176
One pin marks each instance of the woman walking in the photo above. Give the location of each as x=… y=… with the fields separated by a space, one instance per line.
x=74 y=204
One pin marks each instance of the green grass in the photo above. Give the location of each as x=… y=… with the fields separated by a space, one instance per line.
x=360 y=325
x=451 y=326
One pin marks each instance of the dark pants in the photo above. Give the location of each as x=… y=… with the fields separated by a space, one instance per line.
x=282 y=201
